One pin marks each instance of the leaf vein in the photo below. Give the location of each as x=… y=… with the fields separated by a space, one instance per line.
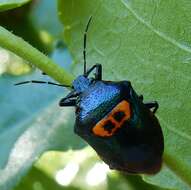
x=177 y=132
x=157 y=32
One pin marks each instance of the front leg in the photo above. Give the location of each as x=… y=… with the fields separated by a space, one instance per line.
x=69 y=100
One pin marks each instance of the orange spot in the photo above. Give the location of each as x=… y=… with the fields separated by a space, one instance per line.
x=99 y=129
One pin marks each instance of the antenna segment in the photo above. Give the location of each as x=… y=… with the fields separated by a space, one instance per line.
x=85 y=36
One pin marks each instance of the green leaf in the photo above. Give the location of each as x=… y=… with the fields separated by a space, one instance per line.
x=11 y=4
x=12 y=64
x=85 y=161
x=23 y=49
x=37 y=180
x=148 y=43
x=31 y=123
x=51 y=23
x=130 y=182
x=19 y=18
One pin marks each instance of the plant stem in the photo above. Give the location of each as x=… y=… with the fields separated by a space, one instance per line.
x=23 y=49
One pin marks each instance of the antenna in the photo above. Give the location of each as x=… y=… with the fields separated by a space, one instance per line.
x=38 y=81
x=85 y=36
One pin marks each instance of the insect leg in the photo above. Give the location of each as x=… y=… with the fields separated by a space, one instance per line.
x=141 y=97
x=69 y=100
x=98 y=73
x=152 y=105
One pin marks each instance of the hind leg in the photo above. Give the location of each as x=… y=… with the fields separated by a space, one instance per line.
x=153 y=106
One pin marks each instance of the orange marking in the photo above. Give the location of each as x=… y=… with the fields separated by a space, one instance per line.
x=99 y=130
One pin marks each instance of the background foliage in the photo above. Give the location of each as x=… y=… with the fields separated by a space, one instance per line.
x=147 y=42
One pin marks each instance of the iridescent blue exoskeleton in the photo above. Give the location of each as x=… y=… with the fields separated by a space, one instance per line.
x=133 y=145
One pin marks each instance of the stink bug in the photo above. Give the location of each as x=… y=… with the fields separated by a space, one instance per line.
x=115 y=121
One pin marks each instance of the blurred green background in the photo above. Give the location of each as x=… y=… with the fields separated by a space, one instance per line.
x=38 y=148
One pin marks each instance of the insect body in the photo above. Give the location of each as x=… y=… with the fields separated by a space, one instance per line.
x=115 y=121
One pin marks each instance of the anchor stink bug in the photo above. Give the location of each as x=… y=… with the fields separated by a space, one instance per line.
x=115 y=121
